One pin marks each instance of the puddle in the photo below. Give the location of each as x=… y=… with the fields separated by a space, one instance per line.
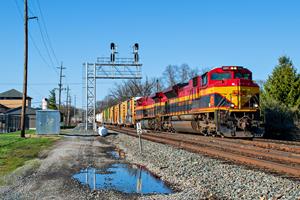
x=124 y=178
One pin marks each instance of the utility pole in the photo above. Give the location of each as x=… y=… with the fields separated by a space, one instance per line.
x=24 y=98
x=74 y=105
x=68 y=106
x=60 y=84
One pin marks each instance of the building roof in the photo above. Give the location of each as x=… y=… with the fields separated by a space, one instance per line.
x=11 y=94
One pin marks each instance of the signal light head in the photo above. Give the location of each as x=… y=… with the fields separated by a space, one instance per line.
x=112 y=46
x=136 y=46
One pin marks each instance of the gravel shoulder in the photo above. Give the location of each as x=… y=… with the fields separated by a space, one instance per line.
x=201 y=177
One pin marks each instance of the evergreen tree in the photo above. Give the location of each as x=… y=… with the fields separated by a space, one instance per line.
x=283 y=85
x=52 y=100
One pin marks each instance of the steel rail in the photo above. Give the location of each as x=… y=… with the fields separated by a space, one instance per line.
x=293 y=148
x=253 y=144
x=246 y=150
x=213 y=151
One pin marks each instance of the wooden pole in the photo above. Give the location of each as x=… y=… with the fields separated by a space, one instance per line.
x=23 y=115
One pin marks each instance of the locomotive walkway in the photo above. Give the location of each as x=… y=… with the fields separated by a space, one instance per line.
x=282 y=158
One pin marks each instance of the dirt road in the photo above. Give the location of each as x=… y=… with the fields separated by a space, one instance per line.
x=50 y=176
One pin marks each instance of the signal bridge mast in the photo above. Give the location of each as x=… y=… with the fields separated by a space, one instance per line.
x=108 y=68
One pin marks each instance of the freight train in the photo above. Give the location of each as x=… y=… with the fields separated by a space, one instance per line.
x=222 y=102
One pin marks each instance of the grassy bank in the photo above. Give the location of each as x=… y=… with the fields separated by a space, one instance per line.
x=15 y=151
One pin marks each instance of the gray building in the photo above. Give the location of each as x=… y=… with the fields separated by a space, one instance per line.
x=30 y=115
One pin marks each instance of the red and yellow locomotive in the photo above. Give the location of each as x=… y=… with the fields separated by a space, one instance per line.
x=223 y=101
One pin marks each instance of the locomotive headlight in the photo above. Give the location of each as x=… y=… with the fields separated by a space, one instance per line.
x=255 y=105
x=232 y=105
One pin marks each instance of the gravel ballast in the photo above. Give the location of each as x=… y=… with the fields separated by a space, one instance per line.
x=196 y=176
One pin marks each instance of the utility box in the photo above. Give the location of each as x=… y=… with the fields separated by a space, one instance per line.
x=47 y=122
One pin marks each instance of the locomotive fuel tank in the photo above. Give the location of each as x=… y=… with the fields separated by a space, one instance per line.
x=183 y=126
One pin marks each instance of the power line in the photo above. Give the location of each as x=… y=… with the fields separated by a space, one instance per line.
x=40 y=54
x=46 y=31
x=30 y=11
x=44 y=42
x=44 y=39
x=36 y=91
x=33 y=42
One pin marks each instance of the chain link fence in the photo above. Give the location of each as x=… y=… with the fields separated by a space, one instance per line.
x=9 y=123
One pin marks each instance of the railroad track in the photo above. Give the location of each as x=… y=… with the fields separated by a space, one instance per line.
x=274 y=157
x=278 y=141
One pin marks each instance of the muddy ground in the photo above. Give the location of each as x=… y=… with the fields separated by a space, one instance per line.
x=50 y=176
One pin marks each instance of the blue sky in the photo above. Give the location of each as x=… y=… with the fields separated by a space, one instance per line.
x=201 y=33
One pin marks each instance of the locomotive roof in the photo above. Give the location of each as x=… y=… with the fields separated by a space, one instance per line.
x=229 y=67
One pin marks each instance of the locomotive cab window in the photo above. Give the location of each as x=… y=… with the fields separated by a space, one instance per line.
x=204 y=79
x=195 y=81
x=239 y=75
x=220 y=76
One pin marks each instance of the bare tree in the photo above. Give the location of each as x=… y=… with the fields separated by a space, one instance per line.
x=193 y=73
x=170 y=75
x=184 y=71
x=149 y=86
x=159 y=85
x=131 y=88
x=143 y=88
x=106 y=102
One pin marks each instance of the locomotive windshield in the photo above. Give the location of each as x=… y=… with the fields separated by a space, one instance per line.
x=242 y=75
x=220 y=76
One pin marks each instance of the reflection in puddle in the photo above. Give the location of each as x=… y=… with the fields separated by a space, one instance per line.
x=124 y=178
